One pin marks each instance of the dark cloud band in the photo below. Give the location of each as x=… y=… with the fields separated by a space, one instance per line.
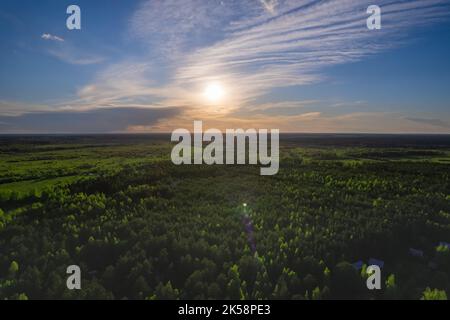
x=101 y=120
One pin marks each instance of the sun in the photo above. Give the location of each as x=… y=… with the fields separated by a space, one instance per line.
x=214 y=92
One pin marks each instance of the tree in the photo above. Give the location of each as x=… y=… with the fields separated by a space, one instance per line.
x=4 y=196
x=316 y=294
x=443 y=256
x=13 y=268
x=434 y=294
x=22 y=296
x=214 y=291
x=310 y=282
x=262 y=288
x=325 y=293
x=326 y=275
x=281 y=290
x=94 y=290
x=234 y=287
x=346 y=282
x=2 y=219
x=391 y=287
x=140 y=286
x=248 y=267
x=166 y=292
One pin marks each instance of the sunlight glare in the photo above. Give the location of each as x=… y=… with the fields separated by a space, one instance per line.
x=214 y=92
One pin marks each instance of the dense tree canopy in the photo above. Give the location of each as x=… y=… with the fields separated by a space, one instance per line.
x=150 y=230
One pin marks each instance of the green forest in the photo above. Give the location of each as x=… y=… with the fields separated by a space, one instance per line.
x=141 y=227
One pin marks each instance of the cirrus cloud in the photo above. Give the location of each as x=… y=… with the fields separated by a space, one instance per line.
x=48 y=36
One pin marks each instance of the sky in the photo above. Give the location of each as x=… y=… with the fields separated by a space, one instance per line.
x=158 y=65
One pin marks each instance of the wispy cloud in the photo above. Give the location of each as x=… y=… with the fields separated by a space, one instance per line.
x=9 y=108
x=251 y=48
x=293 y=45
x=48 y=36
x=269 y=5
x=431 y=122
x=68 y=52
x=313 y=122
x=174 y=26
x=260 y=107
x=67 y=55
x=123 y=84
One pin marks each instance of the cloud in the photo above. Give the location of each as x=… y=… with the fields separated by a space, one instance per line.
x=102 y=120
x=67 y=55
x=313 y=122
x=68 y=52
x=432 y=122
x=298 y=104
x=251 y=48
x=269 y=5
x=9 y=108
x=292 y=46
x=255 y=47
x=171 y=27
x=48 y=36
x=125 y=84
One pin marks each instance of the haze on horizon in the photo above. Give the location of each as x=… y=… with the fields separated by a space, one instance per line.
x=157 y=65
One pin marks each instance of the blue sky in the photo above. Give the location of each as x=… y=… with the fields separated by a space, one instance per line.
x=296 y=65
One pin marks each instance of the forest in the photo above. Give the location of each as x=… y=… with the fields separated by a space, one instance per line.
x=141 y=227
